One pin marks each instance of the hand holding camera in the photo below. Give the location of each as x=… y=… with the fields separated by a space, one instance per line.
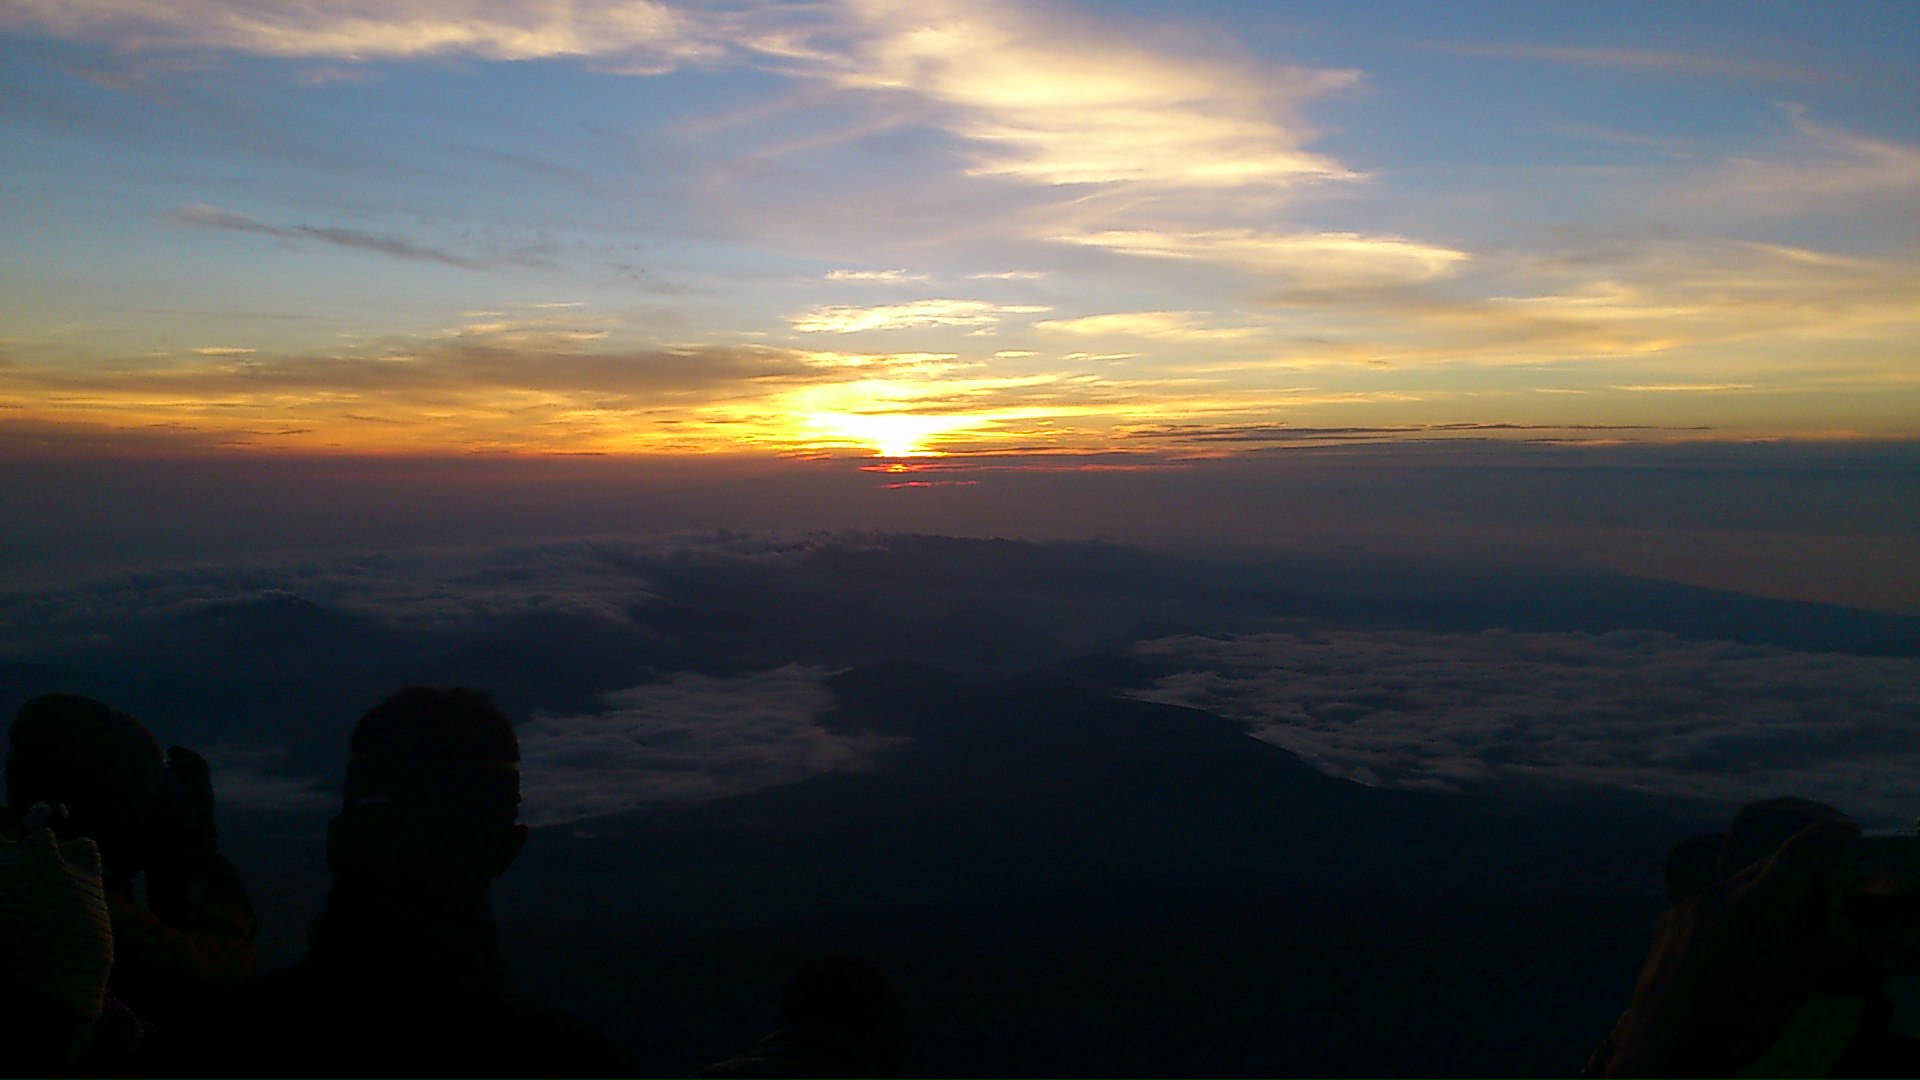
x=184 y=852
x=1881 y=900
x=192 y=800
x=1742 y=971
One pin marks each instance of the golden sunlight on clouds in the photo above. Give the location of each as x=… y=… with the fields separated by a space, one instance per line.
x=1736 y=332
x=1046 y=96
x=881 y=276
x=1684 y=388
x=1079 y=219
x=1830 y=164
x=1072 y=104
x=851 y=320
x=372 y=29
x=1739 y=306
x=1322 y=260
x=1184 y=325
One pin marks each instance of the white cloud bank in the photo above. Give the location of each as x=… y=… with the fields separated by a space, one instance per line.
x=1636 y=710
x=687 y=739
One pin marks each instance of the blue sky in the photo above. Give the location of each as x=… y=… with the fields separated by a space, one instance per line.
x=904 y=229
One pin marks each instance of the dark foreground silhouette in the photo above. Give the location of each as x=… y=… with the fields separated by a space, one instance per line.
x=840 y=1018
x=99 y=774
x=1756 y=966
x=403 y=973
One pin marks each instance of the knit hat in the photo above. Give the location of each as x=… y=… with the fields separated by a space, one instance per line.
x=56 y=939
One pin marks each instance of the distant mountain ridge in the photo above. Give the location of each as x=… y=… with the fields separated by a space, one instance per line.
x=279 y=664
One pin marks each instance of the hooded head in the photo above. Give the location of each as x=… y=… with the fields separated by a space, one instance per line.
x=104 y=766
x=851 y=994
x=1757 y=832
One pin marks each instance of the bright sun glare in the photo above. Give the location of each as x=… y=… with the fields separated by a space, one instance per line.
x=891 y=434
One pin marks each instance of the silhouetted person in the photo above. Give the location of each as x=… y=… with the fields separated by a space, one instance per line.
x=1756 y=970
x=402 y=975
x=149 y=814
x=839 y=1018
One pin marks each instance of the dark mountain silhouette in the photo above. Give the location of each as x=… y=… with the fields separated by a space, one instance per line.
x=1473 y=597
x=275 y=630
x=557 y=661
x=248 y=668
x=1090 y=596
x=1109 y=670
x=1069 y=883
x=264 y=670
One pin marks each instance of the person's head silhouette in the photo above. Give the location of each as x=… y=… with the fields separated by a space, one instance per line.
x=432 y=796
x=103 y=766
x=403 y=967
x=852 y=995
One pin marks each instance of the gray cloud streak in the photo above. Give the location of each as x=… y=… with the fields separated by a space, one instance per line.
x=212 y=217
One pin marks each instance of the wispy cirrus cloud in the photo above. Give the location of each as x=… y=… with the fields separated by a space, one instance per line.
x=917 y=313
x=548 y=382
x=213 y=217
x=375 y=29
x=1656 y=60
x=1042 y=96
x=883 y=277
x=1639 y=300
x=1683 y=388
x=548 y=379
x=1052 y=103
x=1187 y=325
x=1674 y=294
x=1821 y=165
x=1303 y=435
x=1324 y=259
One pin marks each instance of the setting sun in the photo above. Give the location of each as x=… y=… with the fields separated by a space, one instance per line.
x=888 y=434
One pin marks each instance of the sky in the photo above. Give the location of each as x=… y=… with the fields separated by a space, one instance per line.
x=1092 y=232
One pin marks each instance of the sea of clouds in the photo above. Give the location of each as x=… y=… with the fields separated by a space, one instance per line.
x=1633 y=710
x=1628 y=709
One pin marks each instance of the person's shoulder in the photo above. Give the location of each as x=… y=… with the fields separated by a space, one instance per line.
x=304 y=1020
x=566 y=1043
x=798 y=1050
x=248 y=1029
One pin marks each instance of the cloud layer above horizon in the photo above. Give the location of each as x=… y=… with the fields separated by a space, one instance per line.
x=871 y=227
